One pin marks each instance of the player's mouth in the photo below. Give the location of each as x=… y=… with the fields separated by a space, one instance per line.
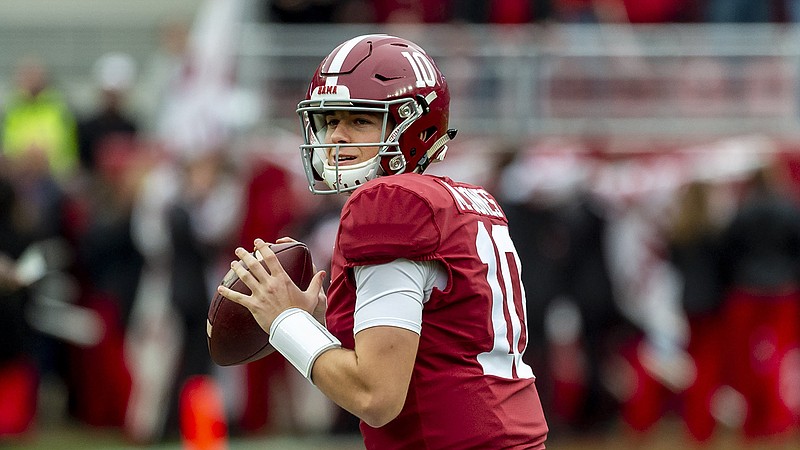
x=344 y=160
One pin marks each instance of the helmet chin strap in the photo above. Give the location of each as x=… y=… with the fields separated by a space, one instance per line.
x=437 y=152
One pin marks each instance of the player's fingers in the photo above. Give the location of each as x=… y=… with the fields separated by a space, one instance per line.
x=273 y=265
x=249 y=270
x=234 y=296
x=315 y=285
x=251 y=263
x=241 y=271
x=242 y=255
x=288 y=240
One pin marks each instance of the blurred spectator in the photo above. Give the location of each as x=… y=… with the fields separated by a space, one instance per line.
x=114 y=75
x=603 y=326
x=570 y=303
x=694 y=249
x=108 y=148
x=269 y=213
x=589 y=11
x=511 y=11
x=541 y=240
x=498 y=11
x=39 y=128
x=316 y=11
x=761 y=273
x=741 y=11
x=39 y=145
x=109 y=261
x=152 y=343
x=185 y=214
x=411 y=11
x=300 y=11
x=160 y=73
x=354 y=11
x=626 y=11
x=792 y=10
x=107 y=266
x=470 y=11
x=663 y=11
x=202 y=225
x=18 y=374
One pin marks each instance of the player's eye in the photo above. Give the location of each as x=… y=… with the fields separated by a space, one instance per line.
x=364 y=120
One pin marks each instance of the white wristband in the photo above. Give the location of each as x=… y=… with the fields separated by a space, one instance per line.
x=300 y=339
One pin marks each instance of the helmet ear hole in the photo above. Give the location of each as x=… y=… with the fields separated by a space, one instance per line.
x=427 y=134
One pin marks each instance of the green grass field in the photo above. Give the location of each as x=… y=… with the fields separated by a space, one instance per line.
x=667 y=436
x=83 y=438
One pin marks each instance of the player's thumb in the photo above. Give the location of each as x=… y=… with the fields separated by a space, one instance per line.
x=315 y=285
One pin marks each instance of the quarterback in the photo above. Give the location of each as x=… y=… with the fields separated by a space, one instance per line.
x=424 y=325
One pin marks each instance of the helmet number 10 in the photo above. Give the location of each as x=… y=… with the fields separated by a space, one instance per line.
x=423 y=69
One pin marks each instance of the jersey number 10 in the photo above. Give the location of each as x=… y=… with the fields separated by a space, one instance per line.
x=508 y=304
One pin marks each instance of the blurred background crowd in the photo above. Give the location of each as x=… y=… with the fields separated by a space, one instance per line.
x=646 y=153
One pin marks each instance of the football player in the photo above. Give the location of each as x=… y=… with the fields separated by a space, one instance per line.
x=425 y=324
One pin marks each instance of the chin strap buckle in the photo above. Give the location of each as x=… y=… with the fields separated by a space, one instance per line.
x=425 y=101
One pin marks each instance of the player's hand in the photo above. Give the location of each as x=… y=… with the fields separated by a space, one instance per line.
x=272 y=292
x=321 y=308
x=322 y=300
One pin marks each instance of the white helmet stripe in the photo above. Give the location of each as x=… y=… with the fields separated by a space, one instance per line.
x=341 y=56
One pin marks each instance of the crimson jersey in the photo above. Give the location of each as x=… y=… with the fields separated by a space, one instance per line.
x=469 y=387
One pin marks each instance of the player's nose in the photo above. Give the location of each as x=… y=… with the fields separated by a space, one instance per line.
x=340 y=134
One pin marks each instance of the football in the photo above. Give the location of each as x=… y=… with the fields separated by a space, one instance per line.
x=234 y=336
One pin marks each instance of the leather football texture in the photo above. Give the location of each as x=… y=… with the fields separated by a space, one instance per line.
x=234 y=336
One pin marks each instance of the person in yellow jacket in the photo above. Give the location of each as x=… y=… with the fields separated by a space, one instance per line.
x=38 y=127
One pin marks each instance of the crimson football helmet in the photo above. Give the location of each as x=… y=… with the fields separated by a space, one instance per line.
x=381 y=74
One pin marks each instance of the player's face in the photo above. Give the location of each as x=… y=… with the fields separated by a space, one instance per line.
x=346 y=127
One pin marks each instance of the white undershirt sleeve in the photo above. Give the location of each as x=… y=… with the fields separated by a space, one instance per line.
x=393 y=294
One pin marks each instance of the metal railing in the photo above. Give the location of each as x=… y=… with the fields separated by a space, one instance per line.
x=691 y=81
x=654 y=81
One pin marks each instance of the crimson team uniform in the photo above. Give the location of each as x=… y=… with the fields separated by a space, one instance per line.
x=762 y=332
x=761 y=309
x=470 y=387
x=437 y=253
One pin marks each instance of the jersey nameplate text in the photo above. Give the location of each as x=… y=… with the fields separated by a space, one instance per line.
x=474 y=200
